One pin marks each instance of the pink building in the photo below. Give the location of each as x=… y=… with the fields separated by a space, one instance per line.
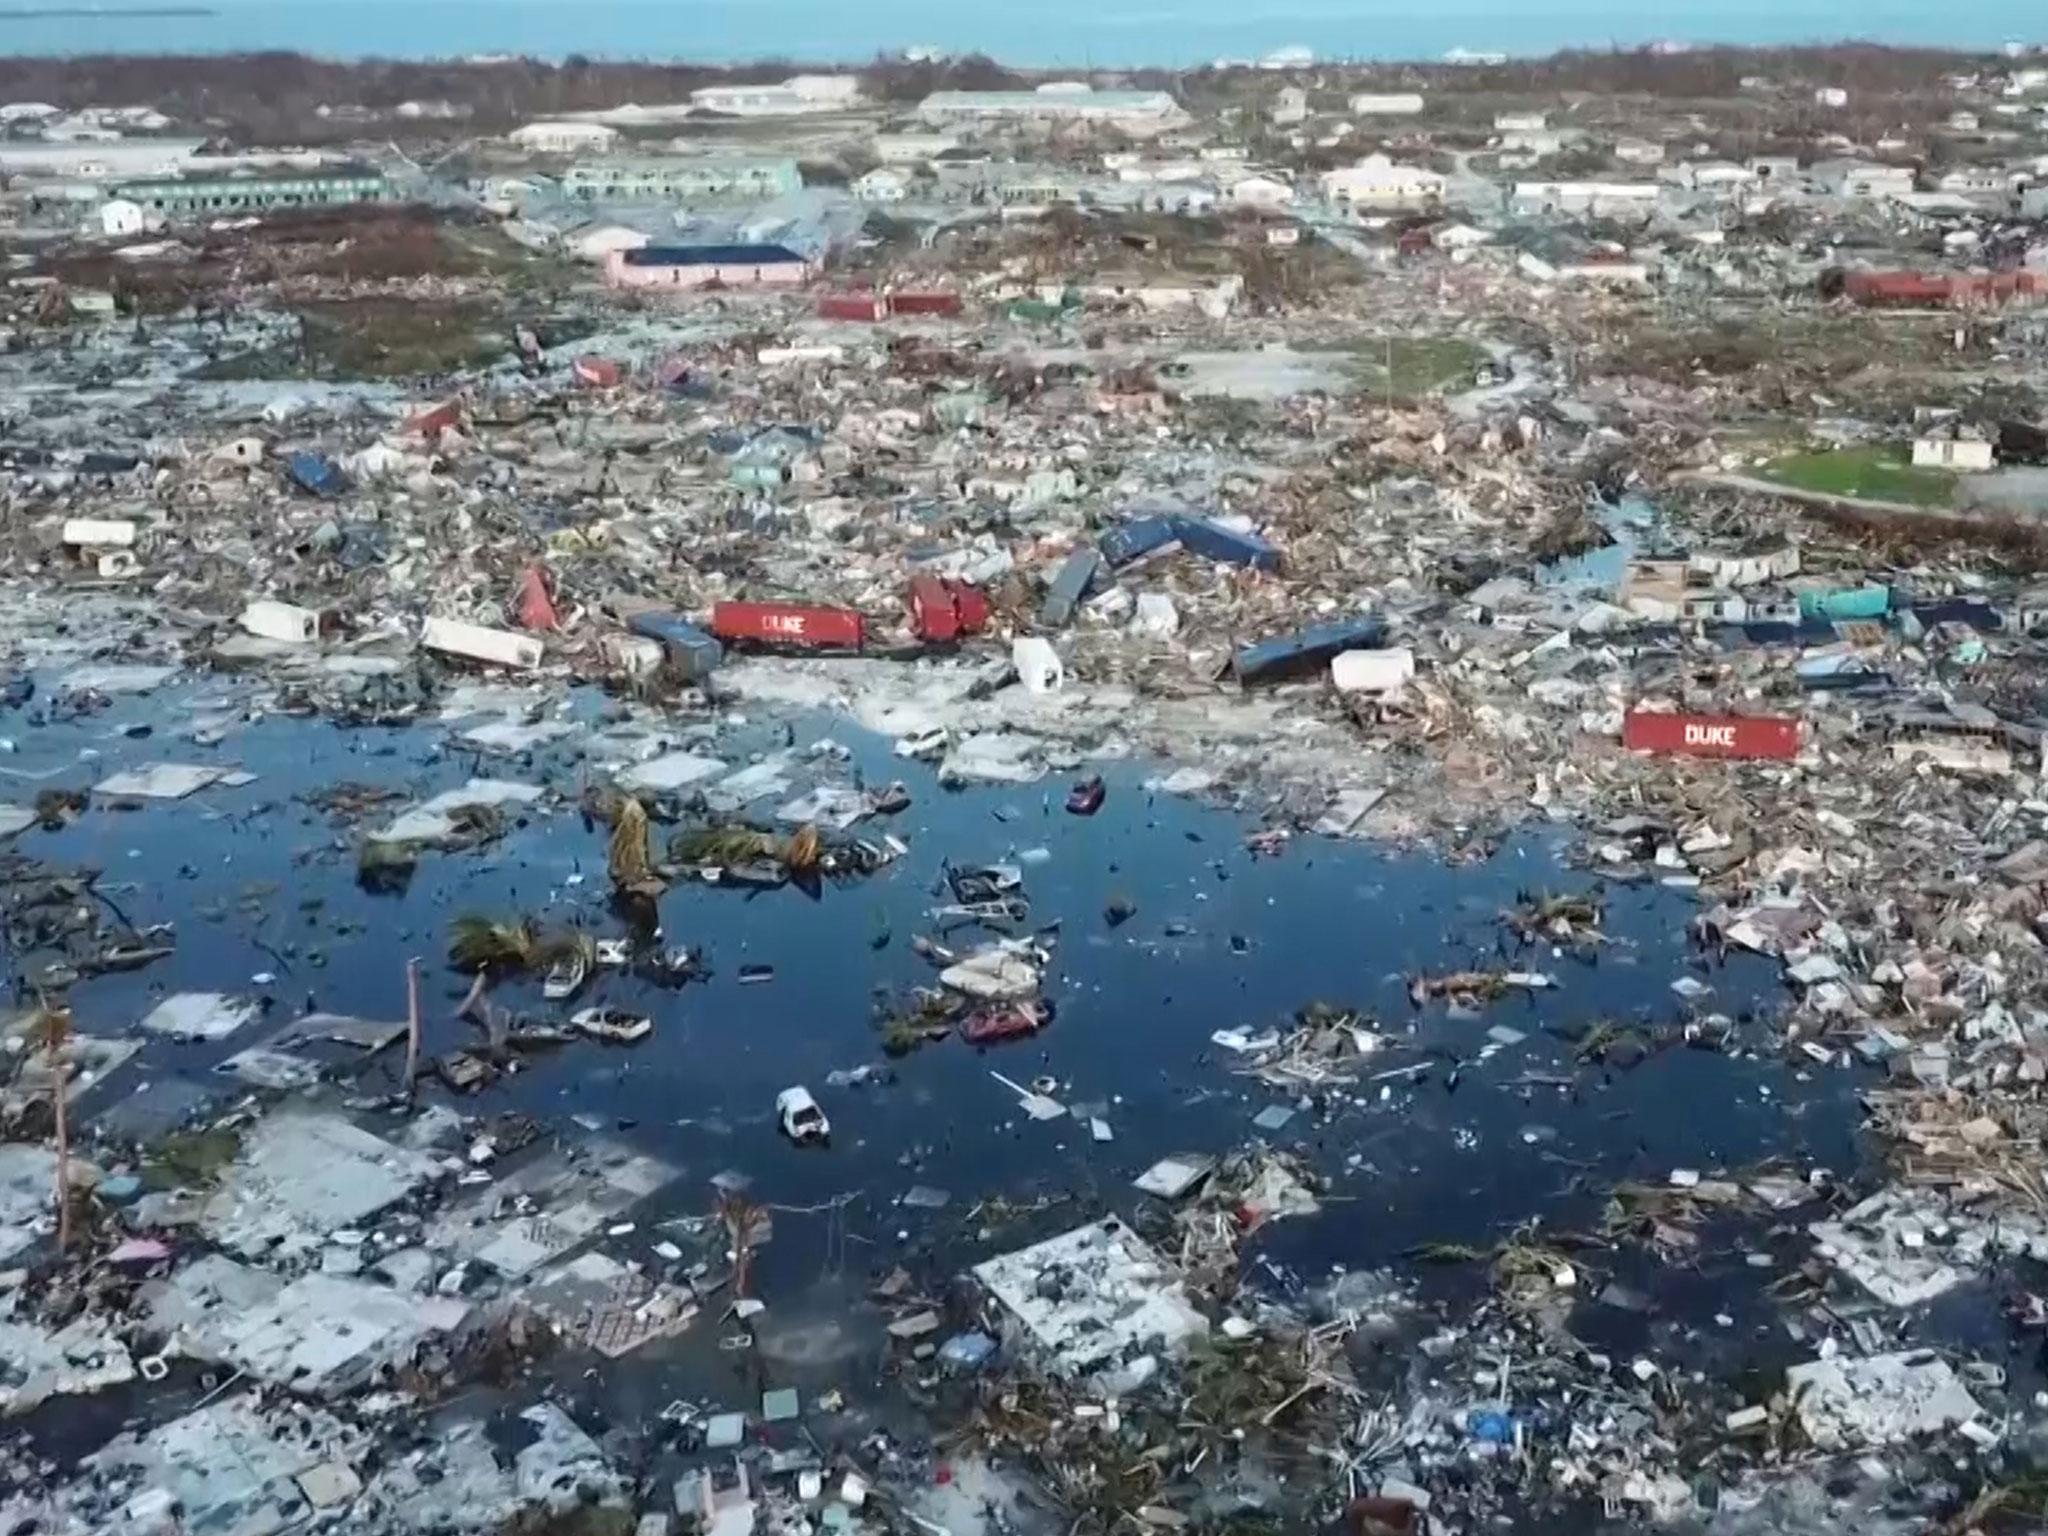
x=702 y=266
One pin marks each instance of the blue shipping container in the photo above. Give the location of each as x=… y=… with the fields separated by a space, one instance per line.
x=694 y=654
x=1133 y=540
x=1288 y=655
x=1213 y=541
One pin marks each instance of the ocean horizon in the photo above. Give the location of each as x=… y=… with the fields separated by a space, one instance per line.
x=1053 y=33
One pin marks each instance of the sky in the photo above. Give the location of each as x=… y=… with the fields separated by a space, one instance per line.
x=1031 y=32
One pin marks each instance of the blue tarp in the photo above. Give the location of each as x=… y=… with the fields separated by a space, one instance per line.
x=315 y=475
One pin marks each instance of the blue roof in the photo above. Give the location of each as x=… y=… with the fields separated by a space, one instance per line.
x=711 y=256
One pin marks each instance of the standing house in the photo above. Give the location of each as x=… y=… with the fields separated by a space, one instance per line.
x=1290 y=105
x=1973 y=181
x=1521 y=122
x=1862 y=178
x=1954 y=449
x=707 y=266
x=1259 y=191
x=1377 y=182
x=1639 y=151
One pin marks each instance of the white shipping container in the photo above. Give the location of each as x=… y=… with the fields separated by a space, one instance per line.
x=499 y=647
x=272 y=620
x=93 y=532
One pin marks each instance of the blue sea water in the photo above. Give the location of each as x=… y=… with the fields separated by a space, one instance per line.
x=1046 y=32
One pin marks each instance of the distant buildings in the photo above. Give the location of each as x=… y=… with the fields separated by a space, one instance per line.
x=1831 y=96
x=563 y=138
x=1367 y=105
x=1377 y=182
x=1585 y=197
x=1639 y=151
x=1521 y=122
x=1057 y=102
x=1289 y=106
x=679 y=267
x=796 y=96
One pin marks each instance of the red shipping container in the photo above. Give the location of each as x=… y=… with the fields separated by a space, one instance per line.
x=1710 y=735
x=924 y=303
x=942 y=610
x=849 y=306
x=789 y=624
x=596 y=372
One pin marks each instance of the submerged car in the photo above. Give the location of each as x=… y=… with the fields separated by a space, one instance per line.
x=801 y=1118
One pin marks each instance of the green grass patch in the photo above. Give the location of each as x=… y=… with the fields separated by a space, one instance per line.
x=1883 y=473
x=1407 y=368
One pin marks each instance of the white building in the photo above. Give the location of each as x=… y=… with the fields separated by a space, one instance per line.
x=1377 y=182
x=1366 y=104
x=1586 y=196
x=1289 y=106
x=1058 y=102
x=1639 y=151
x=1521 y=122
x=1293 y=57
x=885 y=184
x=562 y=138
x=830 y=91
x=1459 y=237
x=1259 y=192
x=1860 y=178
x=120 y=217
x=912 y=148
x=1711 y=175
x=1950 y=450
x=600 y=240
x=794 y=97
x=1831 y=96
x=1973 y=181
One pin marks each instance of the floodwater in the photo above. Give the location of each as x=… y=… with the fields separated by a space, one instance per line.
x=261 y=885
